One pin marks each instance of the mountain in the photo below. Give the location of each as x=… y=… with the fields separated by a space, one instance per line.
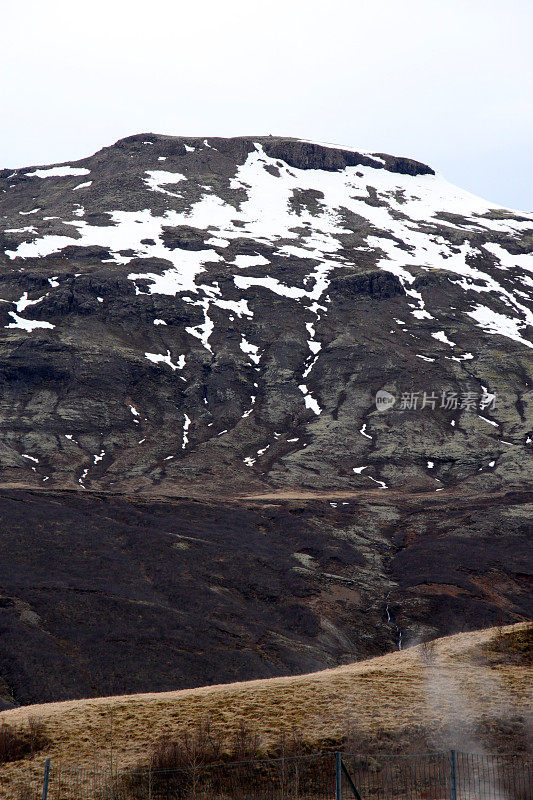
x=228 y=309
x=278 y=386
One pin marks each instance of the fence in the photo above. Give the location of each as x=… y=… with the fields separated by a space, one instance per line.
x=327 y=776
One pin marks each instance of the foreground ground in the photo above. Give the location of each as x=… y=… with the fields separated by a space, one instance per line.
x=469 y=691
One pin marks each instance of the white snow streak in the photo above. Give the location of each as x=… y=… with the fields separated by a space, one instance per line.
x=251 y=350
x=58 y=172
x=495 y=323
x=156 y=358
x=186 y=424
x=362 y=430
x=309 y=400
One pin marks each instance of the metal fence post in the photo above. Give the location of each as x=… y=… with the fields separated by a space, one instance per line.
x=453 y=775
x=46 y=779
x=338 y=776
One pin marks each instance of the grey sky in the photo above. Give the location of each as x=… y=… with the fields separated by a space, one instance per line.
x=445 y=81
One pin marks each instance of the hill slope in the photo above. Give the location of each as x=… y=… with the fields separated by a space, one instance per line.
x=108 y=594
x=467 y=691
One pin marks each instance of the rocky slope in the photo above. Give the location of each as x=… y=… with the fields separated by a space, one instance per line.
x=223 y=312
x=213 y=319
x=103 y=595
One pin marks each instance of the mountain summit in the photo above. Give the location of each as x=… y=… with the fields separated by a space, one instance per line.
x=202 y=313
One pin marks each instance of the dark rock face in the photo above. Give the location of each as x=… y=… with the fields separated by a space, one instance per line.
x=105 y=595
x=377 y=285
x=308 y=155
x=214 y=318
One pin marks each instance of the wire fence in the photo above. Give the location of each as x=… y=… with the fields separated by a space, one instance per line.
x=327 y=776
x=439 y=776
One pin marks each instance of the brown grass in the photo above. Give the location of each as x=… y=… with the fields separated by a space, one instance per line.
x=19 y=741
x=383 y=703
x=513 y=646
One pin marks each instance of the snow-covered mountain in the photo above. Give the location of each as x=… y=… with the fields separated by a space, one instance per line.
x=227 y=309
x=327 y=351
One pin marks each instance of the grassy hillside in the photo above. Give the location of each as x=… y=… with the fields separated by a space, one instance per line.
x=471 y=691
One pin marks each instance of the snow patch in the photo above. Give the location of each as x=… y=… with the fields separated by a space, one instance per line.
x=58 y=172
x=157 y=178
x=27 y=324
x=244 y=261
x=99 y=457
x=495 y=323
x=156 y=358
x=186 y=425
x=203 y=331
x=251 y=350
x=309 y=400
x=441 y=337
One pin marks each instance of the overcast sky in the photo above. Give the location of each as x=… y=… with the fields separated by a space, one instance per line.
x=448 y=82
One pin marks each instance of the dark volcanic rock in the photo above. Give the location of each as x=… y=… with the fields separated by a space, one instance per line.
x=307 y=155
x=183 y=237
x=377 y=285
x=108 y=595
